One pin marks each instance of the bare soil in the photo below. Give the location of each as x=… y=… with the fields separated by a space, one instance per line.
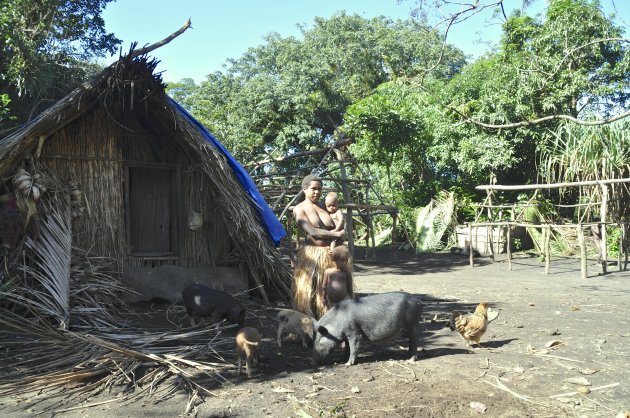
x=551 y=329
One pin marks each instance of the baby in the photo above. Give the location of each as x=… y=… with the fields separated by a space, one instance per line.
x=332 y=207
x=337 y=283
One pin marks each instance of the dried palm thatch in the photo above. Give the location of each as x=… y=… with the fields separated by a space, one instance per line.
x=69 y=367
x=103 y=347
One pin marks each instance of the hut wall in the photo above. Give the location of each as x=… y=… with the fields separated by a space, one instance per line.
x=95 y=151
x=86 y=151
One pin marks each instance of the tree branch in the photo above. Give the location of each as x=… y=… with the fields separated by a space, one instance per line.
x=468 y=10
x=542 y=120
x=163 y=42
x=577 y=48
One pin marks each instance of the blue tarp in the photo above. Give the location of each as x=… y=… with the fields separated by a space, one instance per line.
x=269 y=219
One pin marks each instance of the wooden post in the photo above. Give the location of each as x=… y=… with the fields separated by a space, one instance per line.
x=476 y=236
x=489 y=228
x=347 y=199
x=583 y=255
x=624 y=231
x=547 y=248
x=509 y=250
x=372 y=238
x=619 y=251
x=603 y=215
x=370 y=230
x=290 y=236
x=261 y=286
x=470 y=246
x=394 y=234
x=509 y=236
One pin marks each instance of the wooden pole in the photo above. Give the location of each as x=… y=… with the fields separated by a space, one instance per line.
x=470 y=246
x=547 y=248
x=290 y=236
x=370 y=224
x=347 y=199
x=158 y=44
x=619 y=251
x=490 y=230
x=603 y=215
x=252 y=271
x=394 y=234
x=552 y=185
x=624 y=231
x=509 y=235
x=339 y=144
x=367 y=224
x=509 y=250
x=583 y=255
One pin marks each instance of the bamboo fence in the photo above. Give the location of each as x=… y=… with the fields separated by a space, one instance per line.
x=547 y=227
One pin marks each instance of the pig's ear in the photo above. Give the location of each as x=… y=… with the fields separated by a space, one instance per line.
x=322 y=330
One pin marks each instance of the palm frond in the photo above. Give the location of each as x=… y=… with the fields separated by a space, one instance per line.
x=433 y=221
x=51 y=255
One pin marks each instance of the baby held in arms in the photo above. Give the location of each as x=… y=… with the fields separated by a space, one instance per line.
x=337 y=283
x=332 y=207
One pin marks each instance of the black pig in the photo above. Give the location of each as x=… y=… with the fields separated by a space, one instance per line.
x=202 y=301
x=376 y=318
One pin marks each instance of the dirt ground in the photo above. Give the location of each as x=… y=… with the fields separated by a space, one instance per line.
x=556 y=335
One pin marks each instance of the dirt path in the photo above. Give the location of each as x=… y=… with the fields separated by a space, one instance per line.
x=512 y=375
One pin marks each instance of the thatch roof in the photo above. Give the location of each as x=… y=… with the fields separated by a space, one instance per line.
x=132 y=82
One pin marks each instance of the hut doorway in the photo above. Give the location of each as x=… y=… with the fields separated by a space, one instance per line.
x=151 y=210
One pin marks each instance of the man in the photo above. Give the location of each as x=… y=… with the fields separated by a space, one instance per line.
x=313 y=258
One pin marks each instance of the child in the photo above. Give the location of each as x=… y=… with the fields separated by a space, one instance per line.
x=332 y=207
x=337 y=283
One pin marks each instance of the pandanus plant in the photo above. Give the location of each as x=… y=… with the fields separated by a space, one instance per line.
x=585 y=153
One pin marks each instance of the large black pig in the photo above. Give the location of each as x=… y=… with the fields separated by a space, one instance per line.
x=202 y=302
x=376 y=318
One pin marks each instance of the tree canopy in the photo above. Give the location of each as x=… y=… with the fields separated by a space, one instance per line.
x=292 y=94
x=569 y=61
x=47 y=46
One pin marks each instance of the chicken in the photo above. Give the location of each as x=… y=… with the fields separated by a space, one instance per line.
x=471 y=326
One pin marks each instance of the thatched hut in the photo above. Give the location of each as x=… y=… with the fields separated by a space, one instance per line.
x=121 y=171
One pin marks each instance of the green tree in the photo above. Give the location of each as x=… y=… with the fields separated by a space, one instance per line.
x=292 y=94
x=46 y=46
x=393 y=133
x=569 y=61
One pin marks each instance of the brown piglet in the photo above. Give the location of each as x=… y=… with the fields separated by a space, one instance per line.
x=247 y=341
x=295 y=322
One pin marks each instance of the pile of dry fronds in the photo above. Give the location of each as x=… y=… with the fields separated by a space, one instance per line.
x=62 y=367
x=106 y=347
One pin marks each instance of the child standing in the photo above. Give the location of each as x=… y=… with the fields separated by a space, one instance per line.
x=337 y=283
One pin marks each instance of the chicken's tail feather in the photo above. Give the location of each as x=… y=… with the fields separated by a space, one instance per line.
x=454 y=317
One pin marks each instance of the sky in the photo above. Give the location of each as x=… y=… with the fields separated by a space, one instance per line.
x=223 y=30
